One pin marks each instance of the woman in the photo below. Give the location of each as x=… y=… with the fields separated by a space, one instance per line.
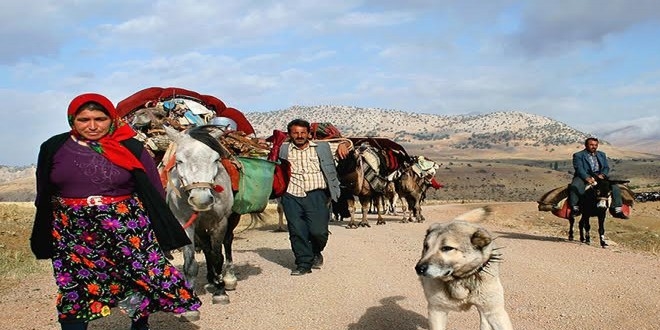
x=102 y=219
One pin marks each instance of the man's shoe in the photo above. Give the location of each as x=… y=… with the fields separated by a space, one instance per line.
x=300 y=271
x=620 y=215
x=318 y=261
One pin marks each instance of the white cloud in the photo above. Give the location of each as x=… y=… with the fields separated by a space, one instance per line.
x=585 y=63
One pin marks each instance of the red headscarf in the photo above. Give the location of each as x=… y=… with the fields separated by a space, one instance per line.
x=109 y=145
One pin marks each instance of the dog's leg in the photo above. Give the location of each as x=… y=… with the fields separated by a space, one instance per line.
x=437 y=319
x=496 y=319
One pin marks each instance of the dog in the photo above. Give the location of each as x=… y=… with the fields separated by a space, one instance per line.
x=459 y=269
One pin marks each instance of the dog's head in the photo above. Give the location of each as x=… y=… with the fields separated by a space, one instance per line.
x=454 y=250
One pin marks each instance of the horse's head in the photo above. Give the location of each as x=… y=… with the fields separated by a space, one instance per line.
x=602 y=191
x=348 y=165
x=199 y=171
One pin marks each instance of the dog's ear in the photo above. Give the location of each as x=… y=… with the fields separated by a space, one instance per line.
x=433 y=227
x=481 y=238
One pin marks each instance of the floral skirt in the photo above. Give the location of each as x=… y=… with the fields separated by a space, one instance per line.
x=108 y=253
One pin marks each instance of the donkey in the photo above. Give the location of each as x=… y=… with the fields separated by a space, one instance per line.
x=594 y=203
x=411 y=185
x=199 y=194
x=353 y=172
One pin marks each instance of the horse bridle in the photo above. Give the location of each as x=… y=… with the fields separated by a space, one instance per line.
x=188 y=187
x=208 y=185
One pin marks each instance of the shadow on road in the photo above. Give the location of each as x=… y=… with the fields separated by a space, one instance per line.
x=531 y=237
x=282 y=257
x=389 y=315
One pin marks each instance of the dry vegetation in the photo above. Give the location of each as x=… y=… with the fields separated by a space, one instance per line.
x=495 y=158
x=641 y=233
x=16 y=259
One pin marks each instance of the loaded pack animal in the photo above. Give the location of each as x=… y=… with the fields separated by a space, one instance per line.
x=594 y=203
x=199 y=194
x=412 y=183
x=362 y=174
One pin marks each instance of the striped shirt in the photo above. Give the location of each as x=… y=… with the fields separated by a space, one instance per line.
x=306 y=172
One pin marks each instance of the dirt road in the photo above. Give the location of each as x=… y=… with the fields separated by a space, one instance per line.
x=368 y=283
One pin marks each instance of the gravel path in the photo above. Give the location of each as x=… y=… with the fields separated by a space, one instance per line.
x=368 y=283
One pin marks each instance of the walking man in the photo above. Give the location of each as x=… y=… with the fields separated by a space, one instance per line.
x=306 y=202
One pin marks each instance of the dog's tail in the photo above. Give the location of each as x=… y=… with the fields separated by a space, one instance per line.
x=475 y=215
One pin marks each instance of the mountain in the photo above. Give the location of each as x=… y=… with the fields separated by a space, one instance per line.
x=501 y=156
x=629 y=137
x=503 y=134
x=10 y=173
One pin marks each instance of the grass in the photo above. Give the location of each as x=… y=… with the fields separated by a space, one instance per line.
x=16 y=258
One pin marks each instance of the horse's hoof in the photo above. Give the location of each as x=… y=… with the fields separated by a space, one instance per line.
x=221 y=299
x=570 y=237
x=231 y=285
x=603 y=244
x=189 y=316
x=380 y=223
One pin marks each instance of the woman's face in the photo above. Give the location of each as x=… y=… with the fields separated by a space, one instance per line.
x=92 y=124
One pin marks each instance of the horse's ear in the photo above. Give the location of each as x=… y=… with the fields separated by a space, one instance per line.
x=172 y=133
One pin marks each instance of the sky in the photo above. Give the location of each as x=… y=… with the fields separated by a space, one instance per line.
x=590 y=64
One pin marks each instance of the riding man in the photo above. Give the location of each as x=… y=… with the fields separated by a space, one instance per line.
x=590 y=164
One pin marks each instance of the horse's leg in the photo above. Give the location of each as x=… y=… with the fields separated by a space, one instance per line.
x=190 y=265
x=418 y=211
x=404 y=208
x=351 y=209
x=601 y=229
x=214 y=262
x=586 y=227
x=280 y=216
x=380 y=203
x=411 y=208
x=571 y=223
x=228 y=275
x=365 y=201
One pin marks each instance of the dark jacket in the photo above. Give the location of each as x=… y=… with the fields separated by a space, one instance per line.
x=168 y=230
x=582 y=165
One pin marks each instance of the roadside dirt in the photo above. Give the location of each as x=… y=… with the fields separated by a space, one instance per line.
x=368 y=281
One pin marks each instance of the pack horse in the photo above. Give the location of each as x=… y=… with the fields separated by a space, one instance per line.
x=199 y=194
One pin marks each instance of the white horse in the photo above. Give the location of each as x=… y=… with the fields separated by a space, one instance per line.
x=199 y=194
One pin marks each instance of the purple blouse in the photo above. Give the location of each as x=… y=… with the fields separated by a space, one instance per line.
x=79 y=171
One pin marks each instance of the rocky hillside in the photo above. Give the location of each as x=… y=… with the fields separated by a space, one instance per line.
x=485 y=131
x=492 y=156
x=10 y=173
x=504 y=134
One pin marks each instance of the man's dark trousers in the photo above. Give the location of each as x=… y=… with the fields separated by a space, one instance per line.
x=307 y=219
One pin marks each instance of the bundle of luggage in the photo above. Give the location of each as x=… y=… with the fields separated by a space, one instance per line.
x=150 y=110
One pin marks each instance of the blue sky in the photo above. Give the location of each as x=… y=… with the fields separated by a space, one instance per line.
x=591 y=64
